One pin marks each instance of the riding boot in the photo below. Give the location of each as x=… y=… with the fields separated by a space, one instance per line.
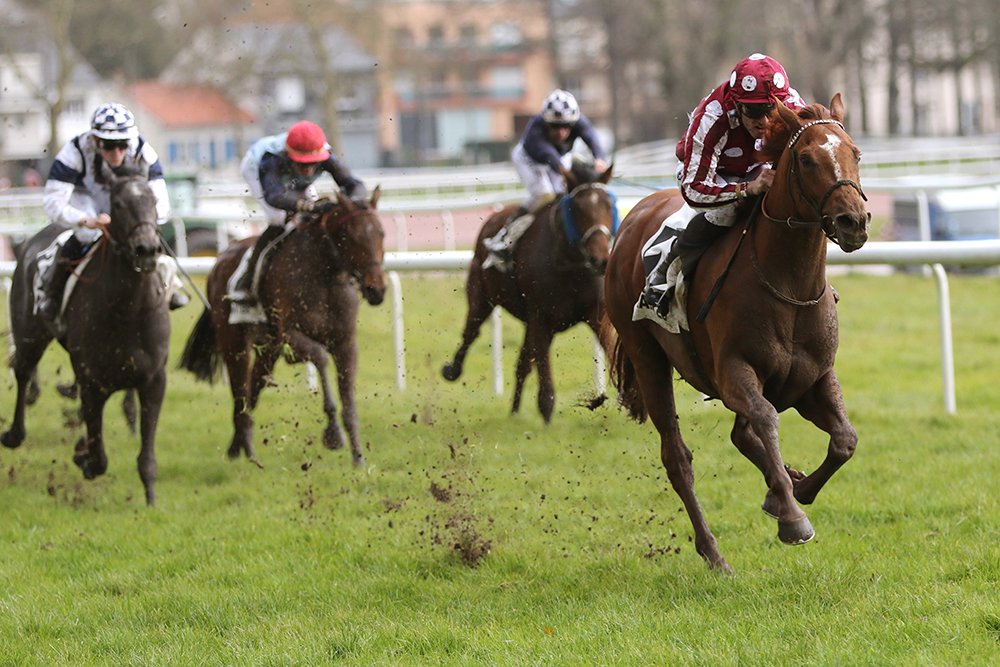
x=243 y=289
x=69 y=254
x=689 y=246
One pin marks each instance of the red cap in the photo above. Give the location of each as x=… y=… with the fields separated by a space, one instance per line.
x=757 y=79
x=306 y=142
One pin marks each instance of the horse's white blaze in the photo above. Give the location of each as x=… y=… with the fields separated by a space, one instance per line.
x=832 y=141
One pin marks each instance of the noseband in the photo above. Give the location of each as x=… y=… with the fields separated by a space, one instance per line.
x=825 y=222
x=573 y=237
x=124 y=248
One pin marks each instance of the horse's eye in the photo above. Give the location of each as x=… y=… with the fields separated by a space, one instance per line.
x=807 y=161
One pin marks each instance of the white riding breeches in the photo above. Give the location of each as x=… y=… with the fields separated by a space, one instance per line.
x=538 y=178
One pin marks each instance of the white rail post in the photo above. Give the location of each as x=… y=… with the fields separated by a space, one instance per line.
x=397 y=329
x=497 y=352
x=947 y=350
x=449 y=229
x=599 y=369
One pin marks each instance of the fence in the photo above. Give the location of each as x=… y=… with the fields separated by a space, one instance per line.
x=933 y=253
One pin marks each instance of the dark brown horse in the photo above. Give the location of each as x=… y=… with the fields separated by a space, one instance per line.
x=769 y=338
x=117 y=327
x=555 y=280
x=310 y=294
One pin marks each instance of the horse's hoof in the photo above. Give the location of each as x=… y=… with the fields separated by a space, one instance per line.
x=11 y=440
x=796 y=532
x=359 y=461
x=333 y=438
x=451 y=372
x=770 y=505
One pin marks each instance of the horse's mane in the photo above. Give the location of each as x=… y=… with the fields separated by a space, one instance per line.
x=777 y=134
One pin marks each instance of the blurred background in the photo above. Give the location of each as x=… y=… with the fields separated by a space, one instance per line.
x=403 y=85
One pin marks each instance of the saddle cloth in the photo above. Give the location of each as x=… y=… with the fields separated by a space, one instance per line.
x=659 y=277
x=166 y=268
x=501 y=246
x=240 y=312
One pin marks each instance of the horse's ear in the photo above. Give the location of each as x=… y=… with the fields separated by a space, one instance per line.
x=376 y=193
x=837 y=108
x=606 y=176
x=788 y=116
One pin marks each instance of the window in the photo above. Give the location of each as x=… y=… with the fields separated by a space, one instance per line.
x=505 y=35
x=467 y=34
x=506 y=82
x=435 y=35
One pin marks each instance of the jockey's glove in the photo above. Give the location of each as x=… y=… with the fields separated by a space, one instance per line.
x=305 y=205
x=322 y=206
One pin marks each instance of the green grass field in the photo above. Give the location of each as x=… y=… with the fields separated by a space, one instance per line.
x=582 y=552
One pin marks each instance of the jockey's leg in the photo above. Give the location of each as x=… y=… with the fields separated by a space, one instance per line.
x=243 y=289
x=689 y=246
x=69 y=254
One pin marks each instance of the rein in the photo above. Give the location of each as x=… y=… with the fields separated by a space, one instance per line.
x=825 y=222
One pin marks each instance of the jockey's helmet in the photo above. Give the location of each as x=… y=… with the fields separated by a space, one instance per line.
x=757 y=79
x=306 y=143
x=560 y=108
x=113 y=121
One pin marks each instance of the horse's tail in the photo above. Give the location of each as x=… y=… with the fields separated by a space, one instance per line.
x=622 y=372
x=200 y=356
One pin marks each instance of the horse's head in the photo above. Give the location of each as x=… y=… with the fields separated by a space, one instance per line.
x=820 y=161
x=133 y=229
x=358 y=237
x=590 y=216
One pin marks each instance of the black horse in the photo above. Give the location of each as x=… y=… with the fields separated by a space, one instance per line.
x=555 y=281
x=117 y=326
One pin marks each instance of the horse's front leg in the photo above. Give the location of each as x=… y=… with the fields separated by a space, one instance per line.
x=479 y=310
x=524 y=364
x=150 y=402
x=823 y=405
x=89 y=452
x=345 y=356
x=756 y=436
x=538 y=338
x=308 y=350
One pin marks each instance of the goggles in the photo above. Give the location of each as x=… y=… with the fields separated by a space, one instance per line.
x=755 y=111
x=112 y=145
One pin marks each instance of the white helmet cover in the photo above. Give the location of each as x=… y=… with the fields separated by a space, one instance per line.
x=113 y=121
x=560 y=107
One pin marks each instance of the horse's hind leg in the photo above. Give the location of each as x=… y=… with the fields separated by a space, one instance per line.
x=824 y=407
x=25 y=363
x=150 y=402
x=654 y=374
x=525 y=362
x=479 y=310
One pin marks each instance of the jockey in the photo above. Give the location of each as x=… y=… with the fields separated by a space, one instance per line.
x=542 y=157
x=280 y=171
x=717 y=157
x=76 y=195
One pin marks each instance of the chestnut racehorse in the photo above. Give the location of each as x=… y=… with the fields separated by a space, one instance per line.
x=768 y=335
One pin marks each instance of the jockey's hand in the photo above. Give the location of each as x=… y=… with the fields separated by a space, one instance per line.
x=600 y=166
x=761 y=184
x=566 y=174
x=305 y=205
x=96 y=222
x=321 y=206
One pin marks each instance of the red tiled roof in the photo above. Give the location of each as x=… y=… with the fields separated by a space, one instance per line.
x=187 y=105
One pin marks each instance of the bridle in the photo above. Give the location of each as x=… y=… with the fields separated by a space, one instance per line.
x=825 y=222
x=573 y=236
x=343 y=218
